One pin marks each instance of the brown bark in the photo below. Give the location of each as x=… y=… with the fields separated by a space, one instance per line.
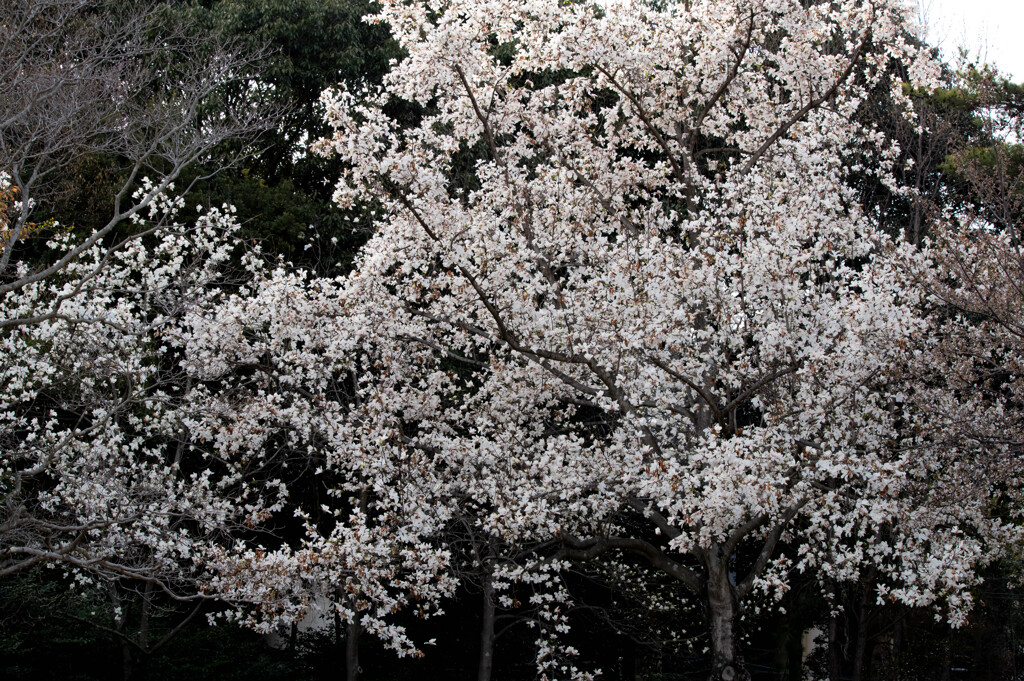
x=722 y=611
x=486 y=663
x=352 y=668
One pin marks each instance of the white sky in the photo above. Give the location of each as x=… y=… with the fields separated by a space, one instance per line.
x=991 y=29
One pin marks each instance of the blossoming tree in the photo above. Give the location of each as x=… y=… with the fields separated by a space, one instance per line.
x=620 y=297
x=618 y=273
x=97 y=471
x=159 y=424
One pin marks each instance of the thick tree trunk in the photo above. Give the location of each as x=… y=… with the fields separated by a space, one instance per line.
x=352 y=650
x=486 y=664
x=723 y=610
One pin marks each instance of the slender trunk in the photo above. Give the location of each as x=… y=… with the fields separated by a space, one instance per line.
x=127 y=669
x=862 y=635
x=722 y=610
x=352 y=650
x=627 y=659
x=835 y=664
x=140 y=669
x=785 y=663
x=120 y=620
x=898 y=641
x=145 y=607
x=947 y=659
x=918 y=208
x=486 y=630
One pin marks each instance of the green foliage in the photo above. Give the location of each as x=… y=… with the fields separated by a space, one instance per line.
x=221 y=653
x=42 y=632
x=987 y=167
x=283 y=195
x=315 y=44
x=999 y=156
x=49 y=631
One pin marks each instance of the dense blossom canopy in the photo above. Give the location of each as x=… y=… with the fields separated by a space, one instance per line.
x=620 y=296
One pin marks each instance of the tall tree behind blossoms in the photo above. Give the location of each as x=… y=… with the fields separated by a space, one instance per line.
x=656 y=298
x=977 y=284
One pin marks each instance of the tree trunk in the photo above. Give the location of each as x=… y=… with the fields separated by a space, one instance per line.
x=120 y=626
x=945 y=674
x=835 y=659
x=722 y=610
x=782 y=661
x=860 y=653
x=127 y=668
x=352 y=649
x=141 y=666
x=145 y=607
x=486 y=630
